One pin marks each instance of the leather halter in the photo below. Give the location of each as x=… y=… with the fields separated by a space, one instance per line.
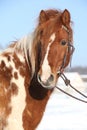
x=70 y=49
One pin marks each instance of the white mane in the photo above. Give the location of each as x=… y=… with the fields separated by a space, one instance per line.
x=26 y=46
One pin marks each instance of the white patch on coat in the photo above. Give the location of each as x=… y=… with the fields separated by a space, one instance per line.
x=46 y=70
x=18 y=103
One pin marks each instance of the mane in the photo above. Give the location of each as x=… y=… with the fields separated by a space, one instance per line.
x=24 y=46
x=53 y=13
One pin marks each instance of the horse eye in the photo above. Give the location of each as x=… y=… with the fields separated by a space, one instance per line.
x=63 y=42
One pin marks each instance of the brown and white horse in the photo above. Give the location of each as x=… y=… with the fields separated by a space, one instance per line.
x=29 y=70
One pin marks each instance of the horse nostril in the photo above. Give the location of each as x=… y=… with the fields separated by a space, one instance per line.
x=51 y=78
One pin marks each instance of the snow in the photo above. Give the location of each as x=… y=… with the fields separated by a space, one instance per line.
x=64 y=113
x=75 y=80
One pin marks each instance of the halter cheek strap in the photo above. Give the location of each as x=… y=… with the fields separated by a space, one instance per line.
x=63 y=63
x=70 y=48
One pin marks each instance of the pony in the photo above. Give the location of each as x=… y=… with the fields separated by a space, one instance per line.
x=29 y=70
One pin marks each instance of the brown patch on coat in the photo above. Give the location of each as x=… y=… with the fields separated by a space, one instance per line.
x=5 y=74
x=2 y=64
x=5 y=93
x=22 y=70
x=14 y=88
x=7 y=55
x=19 y=65
x=17 y=61
x=15 y=75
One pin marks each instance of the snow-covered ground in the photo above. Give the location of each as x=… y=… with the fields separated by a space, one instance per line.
x=64 y=113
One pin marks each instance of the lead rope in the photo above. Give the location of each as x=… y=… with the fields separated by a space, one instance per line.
x=67 y=82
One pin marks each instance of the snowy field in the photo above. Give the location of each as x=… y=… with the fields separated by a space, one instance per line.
x=64 y=113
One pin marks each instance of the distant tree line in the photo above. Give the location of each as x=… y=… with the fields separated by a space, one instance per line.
x=79 y=69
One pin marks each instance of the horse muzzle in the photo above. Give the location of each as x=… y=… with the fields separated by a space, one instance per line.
x=48 y=83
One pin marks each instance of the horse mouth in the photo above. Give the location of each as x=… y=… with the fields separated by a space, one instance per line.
x=47 y=84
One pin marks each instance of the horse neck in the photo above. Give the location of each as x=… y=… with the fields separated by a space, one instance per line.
x=26 y=46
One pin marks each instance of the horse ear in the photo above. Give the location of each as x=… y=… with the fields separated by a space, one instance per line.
x=43 y=17
x=66 y=17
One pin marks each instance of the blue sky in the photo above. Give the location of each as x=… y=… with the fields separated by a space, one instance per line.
x=19 y=17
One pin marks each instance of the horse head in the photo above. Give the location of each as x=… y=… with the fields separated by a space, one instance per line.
x=52 y=46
